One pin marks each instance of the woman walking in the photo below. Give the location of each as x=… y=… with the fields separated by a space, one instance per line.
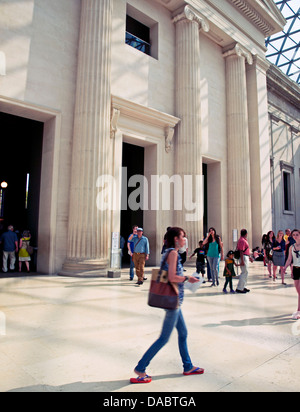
x=294 y=256
x=278 y=255
x=268 y=250
x=215 y=248
x=174 y=318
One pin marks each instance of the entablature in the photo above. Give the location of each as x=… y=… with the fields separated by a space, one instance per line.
x=128 y=116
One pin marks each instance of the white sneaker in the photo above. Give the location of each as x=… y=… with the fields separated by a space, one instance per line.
x=296 y=315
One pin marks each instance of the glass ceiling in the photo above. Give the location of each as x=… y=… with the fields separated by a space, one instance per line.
x=284 y=47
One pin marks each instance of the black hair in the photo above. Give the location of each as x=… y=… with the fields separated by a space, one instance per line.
x=171 y=234
x=268 y=235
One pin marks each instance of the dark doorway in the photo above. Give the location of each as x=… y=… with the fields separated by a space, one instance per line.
x=20 y=166
x=133 y=160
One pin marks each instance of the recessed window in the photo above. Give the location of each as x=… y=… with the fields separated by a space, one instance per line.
x=141 y=32
x=138 y=35
x=287 y=193
x=288 y=184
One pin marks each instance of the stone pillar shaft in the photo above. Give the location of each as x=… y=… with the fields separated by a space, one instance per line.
x=188 y=108
x=239 y=189
x=89 y=228
x=261 y=194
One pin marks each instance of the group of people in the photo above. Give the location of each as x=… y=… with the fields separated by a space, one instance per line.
x=211 y=249
x=283 y=251
x=276 y=251
x=174 y=240
x=12 y=247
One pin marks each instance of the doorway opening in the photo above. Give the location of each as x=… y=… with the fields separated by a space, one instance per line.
x=212 y=180
x=133 y=160
x=20 y=167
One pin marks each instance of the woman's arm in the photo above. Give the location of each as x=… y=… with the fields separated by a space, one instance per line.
x=289 y=259
x=173 y=277
x=222 y=250
x=205 y=241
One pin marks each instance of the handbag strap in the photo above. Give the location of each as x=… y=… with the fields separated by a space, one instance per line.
x=137 y=243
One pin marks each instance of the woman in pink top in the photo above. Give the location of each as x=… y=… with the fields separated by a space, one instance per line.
x=294 y=255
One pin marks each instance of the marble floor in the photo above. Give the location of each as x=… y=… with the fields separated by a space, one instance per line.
x=63 y=334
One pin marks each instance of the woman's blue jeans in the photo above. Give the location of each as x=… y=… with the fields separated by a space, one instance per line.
x=213 y=263
x=174 y=318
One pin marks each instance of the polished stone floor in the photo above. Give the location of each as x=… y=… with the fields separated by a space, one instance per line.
x=60 y=334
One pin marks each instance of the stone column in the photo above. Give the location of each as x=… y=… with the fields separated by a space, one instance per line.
x=261 y=194
x=188 y=109
x=238 y=153
x=90 y=228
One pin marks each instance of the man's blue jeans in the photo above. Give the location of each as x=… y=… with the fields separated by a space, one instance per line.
x=131 y=273
x=174 y=318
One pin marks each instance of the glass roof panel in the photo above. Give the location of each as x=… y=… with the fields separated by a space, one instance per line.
x=284 y=47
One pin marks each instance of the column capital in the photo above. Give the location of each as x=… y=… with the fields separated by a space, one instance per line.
x=239 y=51
x=191 y=14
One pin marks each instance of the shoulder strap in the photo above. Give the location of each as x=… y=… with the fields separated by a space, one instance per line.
x=137 y=243
x=165 y=258
x=164 y=261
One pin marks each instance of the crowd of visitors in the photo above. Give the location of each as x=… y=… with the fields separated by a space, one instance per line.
x=274 y=253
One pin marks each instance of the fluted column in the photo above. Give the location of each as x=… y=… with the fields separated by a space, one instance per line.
x=261 y=194
x=188 y=109
x=238 y=153
x=89 y=227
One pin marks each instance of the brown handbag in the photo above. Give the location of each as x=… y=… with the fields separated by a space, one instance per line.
x=163 y=294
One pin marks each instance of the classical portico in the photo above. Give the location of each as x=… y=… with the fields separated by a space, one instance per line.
x=176 y=147
x=98 y=138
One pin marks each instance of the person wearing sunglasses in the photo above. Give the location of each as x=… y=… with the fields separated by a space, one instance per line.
x=294 y=256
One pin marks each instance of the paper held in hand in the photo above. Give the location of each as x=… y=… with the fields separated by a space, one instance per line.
x=193 y=287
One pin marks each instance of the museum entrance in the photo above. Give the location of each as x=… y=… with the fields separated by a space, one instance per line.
x=131 y=214
x=20 y=175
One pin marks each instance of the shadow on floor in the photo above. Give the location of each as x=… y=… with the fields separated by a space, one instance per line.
x=109 y=386
x=272 y=320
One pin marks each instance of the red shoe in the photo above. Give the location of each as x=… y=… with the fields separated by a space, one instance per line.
x=197 y=371
x=140 y=379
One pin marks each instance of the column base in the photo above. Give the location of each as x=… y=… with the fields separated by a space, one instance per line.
x=85 y=268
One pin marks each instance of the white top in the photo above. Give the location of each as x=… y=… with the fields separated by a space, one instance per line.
x=296 y=260
x=185 y=247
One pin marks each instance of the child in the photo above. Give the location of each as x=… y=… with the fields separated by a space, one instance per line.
x=200 y=263
x=229 y=272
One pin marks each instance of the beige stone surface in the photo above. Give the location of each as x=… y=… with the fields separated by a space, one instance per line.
x=72 y=334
